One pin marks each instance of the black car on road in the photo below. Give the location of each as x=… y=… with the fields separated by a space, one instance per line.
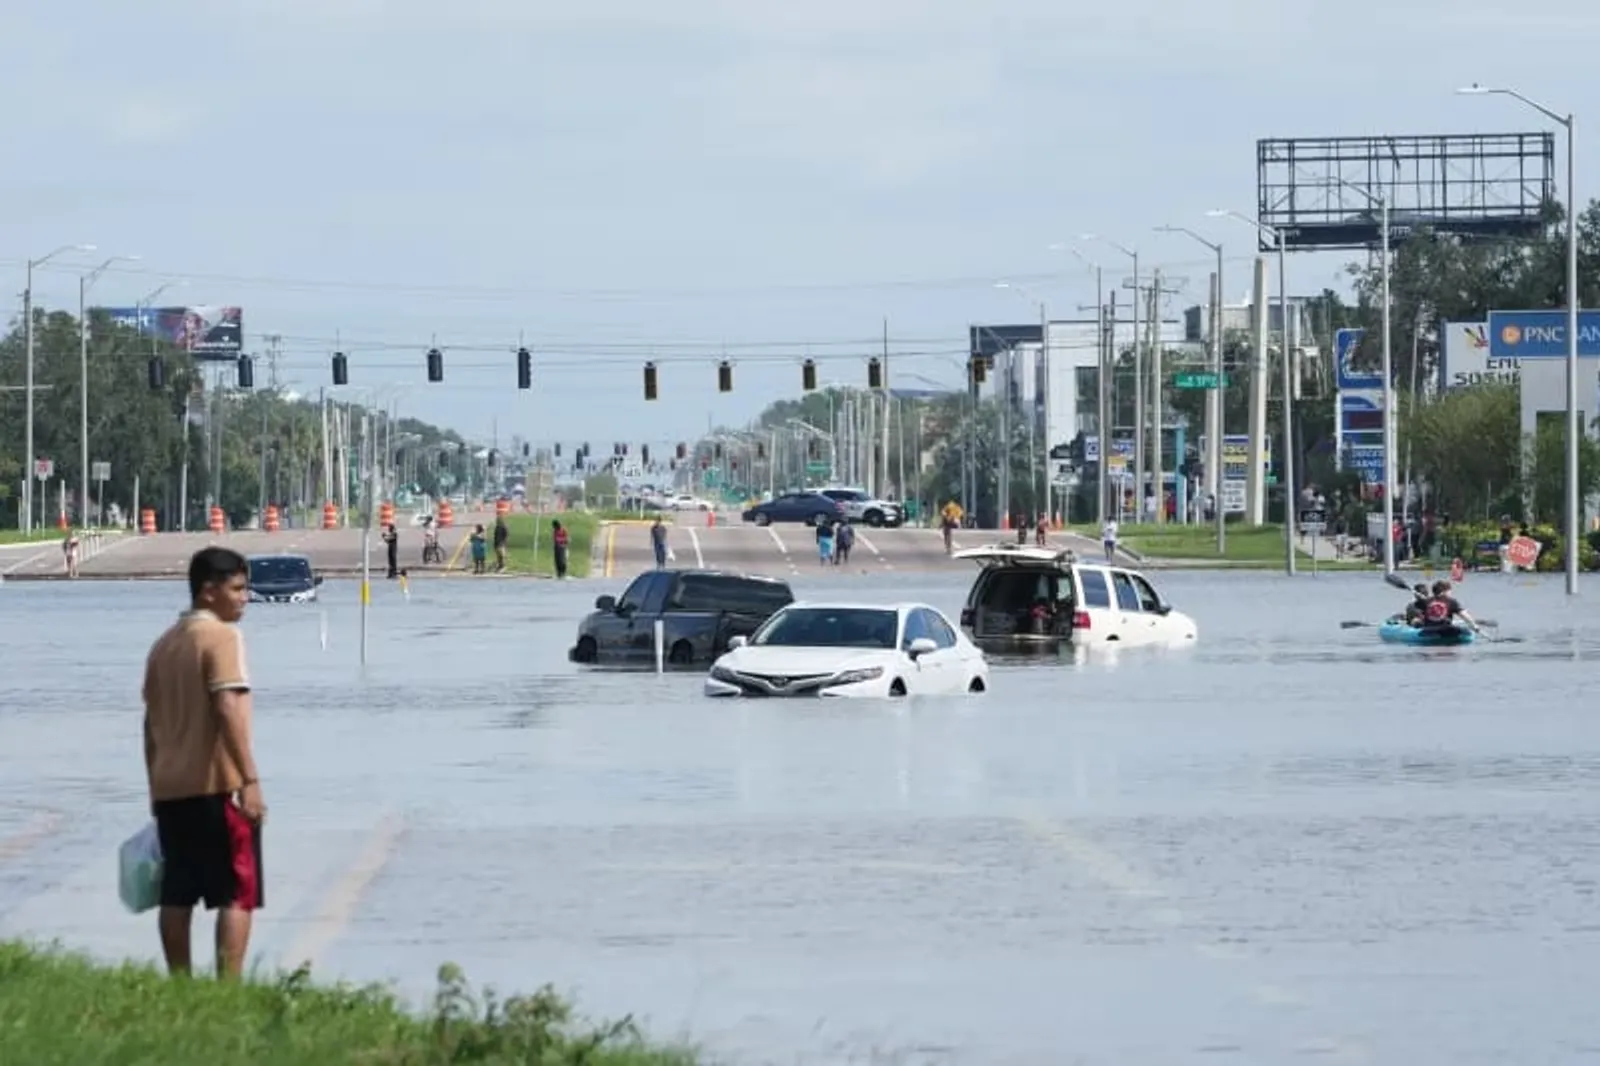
x=699 y=611
x=812 y=508
x=282 y=579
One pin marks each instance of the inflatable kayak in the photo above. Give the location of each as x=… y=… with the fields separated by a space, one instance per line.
x=1397 y=631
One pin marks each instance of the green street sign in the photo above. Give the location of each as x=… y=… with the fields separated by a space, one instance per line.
x=1198 y=380
x=818 y=469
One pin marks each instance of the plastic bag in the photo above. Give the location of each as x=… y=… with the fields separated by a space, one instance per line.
x=139 y=870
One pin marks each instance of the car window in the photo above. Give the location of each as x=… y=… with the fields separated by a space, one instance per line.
x=1127 y=598
x=634 y=595
x=1095 y=591
x=939 y=629
x=1147 y=595
x=654 y=596
x=829 y=627
x=916 y=629
x=279 y=568
x=721 y=592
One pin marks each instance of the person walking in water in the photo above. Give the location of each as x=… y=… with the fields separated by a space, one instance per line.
x=558 y=540
x=658 y=543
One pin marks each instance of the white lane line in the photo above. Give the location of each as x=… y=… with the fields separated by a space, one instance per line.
x=694 y=539
x=873 y=548
x=14 y=567
x=784 y=548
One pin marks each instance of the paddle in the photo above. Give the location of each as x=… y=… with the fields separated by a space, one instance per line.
x=1399 y=582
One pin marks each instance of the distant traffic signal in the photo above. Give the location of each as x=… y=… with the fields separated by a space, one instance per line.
x=649 y=381
x=158 y=373
x=644 y=454
x=683 y=450
x=246 y=372
x=874 y=373
x=341 y=369
x=977 y=370
x=724 y=376
x=524 y=369
x=435 y=365
x=808 y=375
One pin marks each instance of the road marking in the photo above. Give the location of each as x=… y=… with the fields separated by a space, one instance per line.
x=694 y=539
x=873 y=548
x=773 y=533
x=339 y=905
x=455 y=556
x=14 y=567
x=39 y=828
x=611 y=550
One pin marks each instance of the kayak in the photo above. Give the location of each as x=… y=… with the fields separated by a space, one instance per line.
x=1397 y=631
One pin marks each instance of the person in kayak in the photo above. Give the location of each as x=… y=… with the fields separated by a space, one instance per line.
x=1443 y=609
x=1420 y=594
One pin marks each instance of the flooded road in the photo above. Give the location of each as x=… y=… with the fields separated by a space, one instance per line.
x=1289 y=841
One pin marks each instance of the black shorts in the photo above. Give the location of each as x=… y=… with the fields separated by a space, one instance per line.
x=210 y=852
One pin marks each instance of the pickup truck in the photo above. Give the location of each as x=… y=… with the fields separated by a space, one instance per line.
x=699 y=611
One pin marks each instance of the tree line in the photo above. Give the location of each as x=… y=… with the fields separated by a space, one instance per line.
x=141 y=430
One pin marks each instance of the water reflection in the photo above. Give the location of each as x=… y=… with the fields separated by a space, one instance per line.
x=1287 y=837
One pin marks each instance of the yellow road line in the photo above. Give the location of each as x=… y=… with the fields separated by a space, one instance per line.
x=611 y=549
x=455 y=556
x=339 y=905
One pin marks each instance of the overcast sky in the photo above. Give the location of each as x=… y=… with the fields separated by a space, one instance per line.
x=618 y=177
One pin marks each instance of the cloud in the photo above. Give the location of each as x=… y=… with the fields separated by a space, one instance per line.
x=149 y=119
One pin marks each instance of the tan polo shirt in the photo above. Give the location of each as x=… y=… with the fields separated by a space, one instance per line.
x=198 y=657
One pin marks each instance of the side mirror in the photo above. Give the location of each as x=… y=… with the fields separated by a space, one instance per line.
x=1164 y=609
x=316 y=579
x=737 y=641
x=605 y=603
x=921 y=646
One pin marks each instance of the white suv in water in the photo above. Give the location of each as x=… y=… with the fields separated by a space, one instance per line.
x=861 y=506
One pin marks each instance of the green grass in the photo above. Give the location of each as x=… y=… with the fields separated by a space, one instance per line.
x=65 y=1010
x=1243 y=544
x=37 y=536
x=521 y=557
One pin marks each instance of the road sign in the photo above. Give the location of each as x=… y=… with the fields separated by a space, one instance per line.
x=1523 y=552
x=44 y=469
x=815 y=469
x=1313 y=521
x=1233 y=497
x=1199 y=380
x=100 y=471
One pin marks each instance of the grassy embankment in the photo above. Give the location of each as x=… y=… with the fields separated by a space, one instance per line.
x=37 y=536
x=521 y=556
x=64 y=1010
x=1243 y=546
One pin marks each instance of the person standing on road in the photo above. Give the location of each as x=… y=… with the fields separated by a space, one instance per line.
x=70 y=547
x=502 y=536
x=205 y=793
x=391 y=544
x=558 y=540
x=658 y=543
x=844 y=539
x=1108 y=539
x=480 y=550
x=825 y=542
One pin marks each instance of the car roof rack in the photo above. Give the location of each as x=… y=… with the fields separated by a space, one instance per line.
x=1030 y=552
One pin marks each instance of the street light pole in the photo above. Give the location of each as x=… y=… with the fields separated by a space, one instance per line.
x=1215 y=407
x=1574 y=524
x=84 y=282
x=27 y=314
x=1277 y=236
x=1138 y=382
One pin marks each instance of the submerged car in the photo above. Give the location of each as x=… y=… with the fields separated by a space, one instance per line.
x=853 y=649
x=282 y=579
x=700 y=612
x=1029 y=598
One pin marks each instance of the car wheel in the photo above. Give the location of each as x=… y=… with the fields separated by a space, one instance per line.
x=977 y=685
x=897 y=687
x=682 y=654
x=763 y=519
x=586 y=652
x=874 y=519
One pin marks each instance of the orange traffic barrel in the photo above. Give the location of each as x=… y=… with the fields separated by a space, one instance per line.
x=446 y=514
x=147 y=520
x=270 y=522
x=330 y=516
x=217 y=523
x=61 y=521
x=385 y=513
x=711 y=518
x=1005 y=521
x=502 y=507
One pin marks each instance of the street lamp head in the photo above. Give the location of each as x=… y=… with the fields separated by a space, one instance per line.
x=1002 y=284
x=1218 y=212
x=1474 y=90
x=83 y=248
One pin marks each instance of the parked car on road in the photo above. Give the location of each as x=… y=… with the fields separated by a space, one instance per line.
x=1028 y=597
x=700 y=611
x=853 y=649
x=812 y=508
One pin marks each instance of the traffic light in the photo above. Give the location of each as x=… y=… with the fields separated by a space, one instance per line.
x=682 y=450
x=874 y=373
x=724 y=376
x=158 y=373
x=649 y=381
x=761 y=450
x=524 y=369
x=435 y=365
x=444 y=458
x=644 y=454
x=246 y=372
x=813 y=449
x=491 y=459
x=526 y=450
x=977 y=370
x=558 y=449
x=341 y=369
x=733 y=464
x=808 y=375
x=716 y=451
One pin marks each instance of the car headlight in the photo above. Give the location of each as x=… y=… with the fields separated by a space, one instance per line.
x=852 y=677
x=722 y=673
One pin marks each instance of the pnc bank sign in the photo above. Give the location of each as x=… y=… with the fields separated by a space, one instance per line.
x=1540 y=334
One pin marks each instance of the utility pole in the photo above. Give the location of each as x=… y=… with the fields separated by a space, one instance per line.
x=884 y=428
x=1157 y=387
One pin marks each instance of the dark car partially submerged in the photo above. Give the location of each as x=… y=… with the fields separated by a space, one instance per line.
x=282 y=579
x=699 y=612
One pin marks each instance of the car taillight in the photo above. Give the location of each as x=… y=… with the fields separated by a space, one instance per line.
x=1080 y=620
x=966 y=616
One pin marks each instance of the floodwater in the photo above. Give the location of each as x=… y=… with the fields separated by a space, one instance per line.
x=1287 y=842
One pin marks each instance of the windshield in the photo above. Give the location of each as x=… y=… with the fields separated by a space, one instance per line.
x=829 y=627
x=279 y=571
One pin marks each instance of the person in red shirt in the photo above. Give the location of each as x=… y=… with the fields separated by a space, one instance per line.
x=558 y=538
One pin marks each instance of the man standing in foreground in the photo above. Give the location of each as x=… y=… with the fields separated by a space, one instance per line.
x=205 y=795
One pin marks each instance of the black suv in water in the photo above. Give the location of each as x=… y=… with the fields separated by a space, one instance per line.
x=699 y=610
x=282 y=579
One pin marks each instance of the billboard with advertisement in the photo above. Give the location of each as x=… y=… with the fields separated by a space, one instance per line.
x=1467 y=359
x=206 y=333
x=1358 y=430
x=1540 y=334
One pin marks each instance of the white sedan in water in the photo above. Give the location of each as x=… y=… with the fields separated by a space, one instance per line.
x=851 y=649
